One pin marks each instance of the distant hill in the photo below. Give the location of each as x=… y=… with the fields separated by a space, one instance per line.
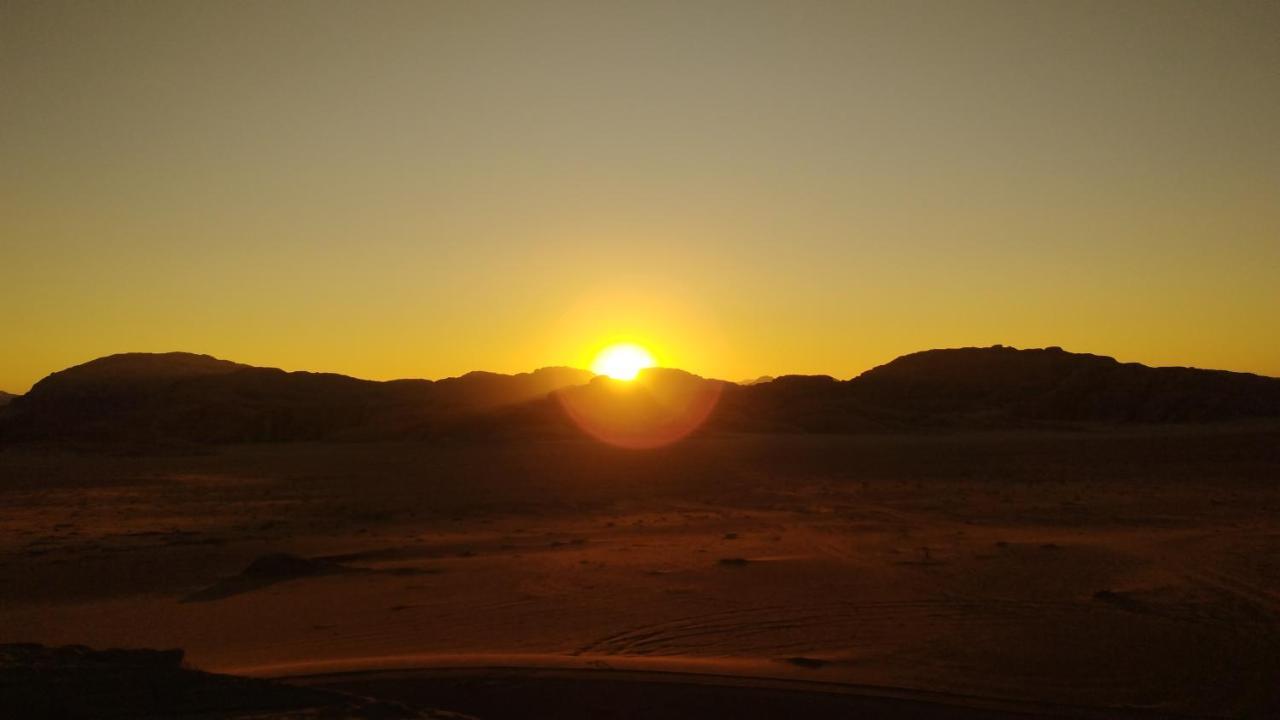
x=198 y=398
x=998 y=387
x=6 y=397
x=1058 y=386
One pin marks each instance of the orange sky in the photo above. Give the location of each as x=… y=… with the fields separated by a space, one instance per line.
x=419 y=189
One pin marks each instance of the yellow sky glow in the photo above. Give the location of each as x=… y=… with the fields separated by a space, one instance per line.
x=422 y=189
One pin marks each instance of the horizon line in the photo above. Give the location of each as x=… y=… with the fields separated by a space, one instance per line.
x=744 y=381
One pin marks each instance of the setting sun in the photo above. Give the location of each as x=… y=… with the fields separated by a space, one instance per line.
x=622 y=362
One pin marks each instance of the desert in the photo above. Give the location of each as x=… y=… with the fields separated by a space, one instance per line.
x=639 y=359
x=1123 y=569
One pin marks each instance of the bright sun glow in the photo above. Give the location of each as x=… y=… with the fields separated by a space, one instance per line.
x=622 y=362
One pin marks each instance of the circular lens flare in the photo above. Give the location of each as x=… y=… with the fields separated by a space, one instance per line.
x=622 y=362
x=658 y=408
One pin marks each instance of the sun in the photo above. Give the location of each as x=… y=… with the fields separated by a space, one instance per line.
x=622 y=362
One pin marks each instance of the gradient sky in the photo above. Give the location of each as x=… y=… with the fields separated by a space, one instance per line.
x=421 y=189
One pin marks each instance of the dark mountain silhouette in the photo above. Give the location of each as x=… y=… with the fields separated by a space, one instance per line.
x=1058 y=386
x=5 y=398
x=999 y=387
x=791 y=403
x=183 y=396
x=180 y=396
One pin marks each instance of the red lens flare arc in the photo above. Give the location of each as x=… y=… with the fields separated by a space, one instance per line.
x=658 y=408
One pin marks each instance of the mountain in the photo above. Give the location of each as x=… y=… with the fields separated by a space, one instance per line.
x=199 y=398
x=1054 y=385
x=181 y=396
x=998 y=387
x=964 y=388
x=791 y=403
x=5 y=398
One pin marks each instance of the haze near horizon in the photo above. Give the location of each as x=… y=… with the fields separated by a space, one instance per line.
x=422 y=189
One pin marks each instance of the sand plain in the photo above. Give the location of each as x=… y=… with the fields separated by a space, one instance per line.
x=1133 y=570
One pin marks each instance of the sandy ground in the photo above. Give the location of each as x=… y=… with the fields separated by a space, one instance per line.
x=1125 y=570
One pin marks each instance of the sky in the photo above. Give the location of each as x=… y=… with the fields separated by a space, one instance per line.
x=420 y=189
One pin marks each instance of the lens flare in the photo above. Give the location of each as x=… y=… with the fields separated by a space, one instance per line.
x=658 y=408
